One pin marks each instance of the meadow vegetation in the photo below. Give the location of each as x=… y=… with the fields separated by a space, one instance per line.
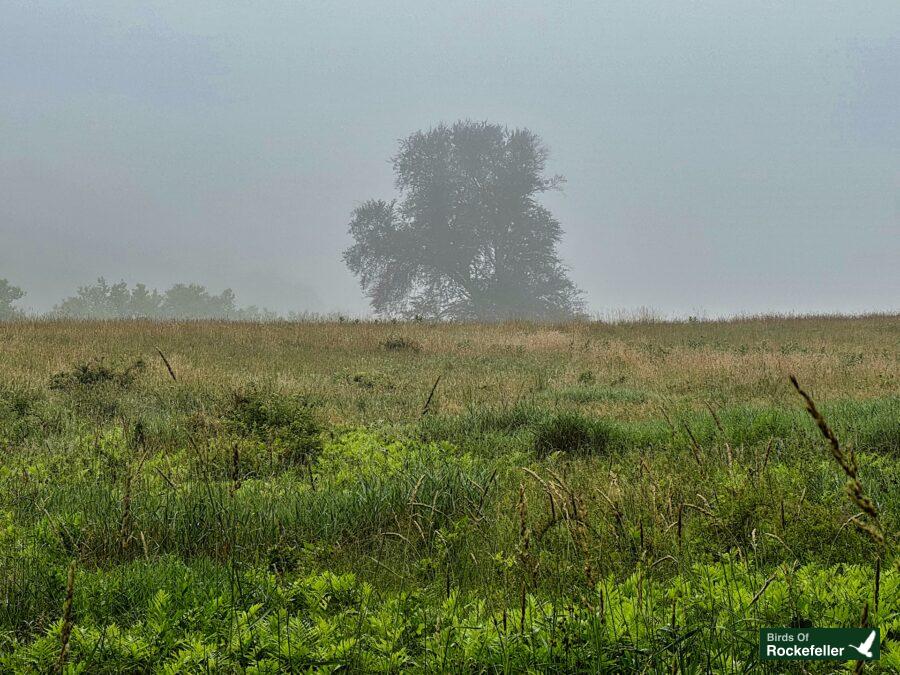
x=287 y=497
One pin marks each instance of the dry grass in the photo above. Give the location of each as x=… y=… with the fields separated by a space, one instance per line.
x=731 y=362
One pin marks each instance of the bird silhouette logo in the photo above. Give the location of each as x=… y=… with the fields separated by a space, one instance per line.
x=866 y=647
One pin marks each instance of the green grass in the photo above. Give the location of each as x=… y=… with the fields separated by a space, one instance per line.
x=572 y=500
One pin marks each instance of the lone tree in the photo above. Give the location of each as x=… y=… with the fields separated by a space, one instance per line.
x=8 y=295
x=467 y=239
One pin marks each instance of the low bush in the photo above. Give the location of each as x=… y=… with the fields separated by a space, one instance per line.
x=286 y=423
x=97 y=372
x=398 y=343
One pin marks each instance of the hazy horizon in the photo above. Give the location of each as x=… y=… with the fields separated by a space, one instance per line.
x=720 y=159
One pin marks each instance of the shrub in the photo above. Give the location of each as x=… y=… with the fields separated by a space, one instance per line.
x=285 y=422
x=18 y=416
x=96 y=372
x=398 y=343
x=101 y=391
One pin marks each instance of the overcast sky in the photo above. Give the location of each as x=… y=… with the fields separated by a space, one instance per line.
x=721 y=157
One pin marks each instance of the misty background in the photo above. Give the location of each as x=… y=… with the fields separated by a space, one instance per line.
x=721 y=157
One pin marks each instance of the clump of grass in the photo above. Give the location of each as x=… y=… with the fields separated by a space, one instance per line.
x=368 y=380
x=398 y=343
x=20 y=414
x=96 y=372
x=15 y=402
x=487 y=430
x=505 y=419
x=571 y=433
x=364 y=380
x=879 y=426
x=586 y=377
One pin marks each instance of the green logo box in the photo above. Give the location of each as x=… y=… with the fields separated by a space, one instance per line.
x=819 y=644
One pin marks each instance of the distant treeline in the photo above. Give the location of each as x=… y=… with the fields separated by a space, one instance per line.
x=103 y=300
x=185 y=302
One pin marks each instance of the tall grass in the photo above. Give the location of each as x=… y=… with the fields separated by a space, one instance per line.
x=283 y=504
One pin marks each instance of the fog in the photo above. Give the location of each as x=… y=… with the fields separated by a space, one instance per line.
x=720 y=158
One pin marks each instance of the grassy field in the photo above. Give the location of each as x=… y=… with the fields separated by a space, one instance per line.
x=382 y=497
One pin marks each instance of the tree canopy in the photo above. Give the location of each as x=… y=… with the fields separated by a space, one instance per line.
x=9 y=294
x=467 y=238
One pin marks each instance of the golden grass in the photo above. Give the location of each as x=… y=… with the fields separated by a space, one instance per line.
x=730 y=362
